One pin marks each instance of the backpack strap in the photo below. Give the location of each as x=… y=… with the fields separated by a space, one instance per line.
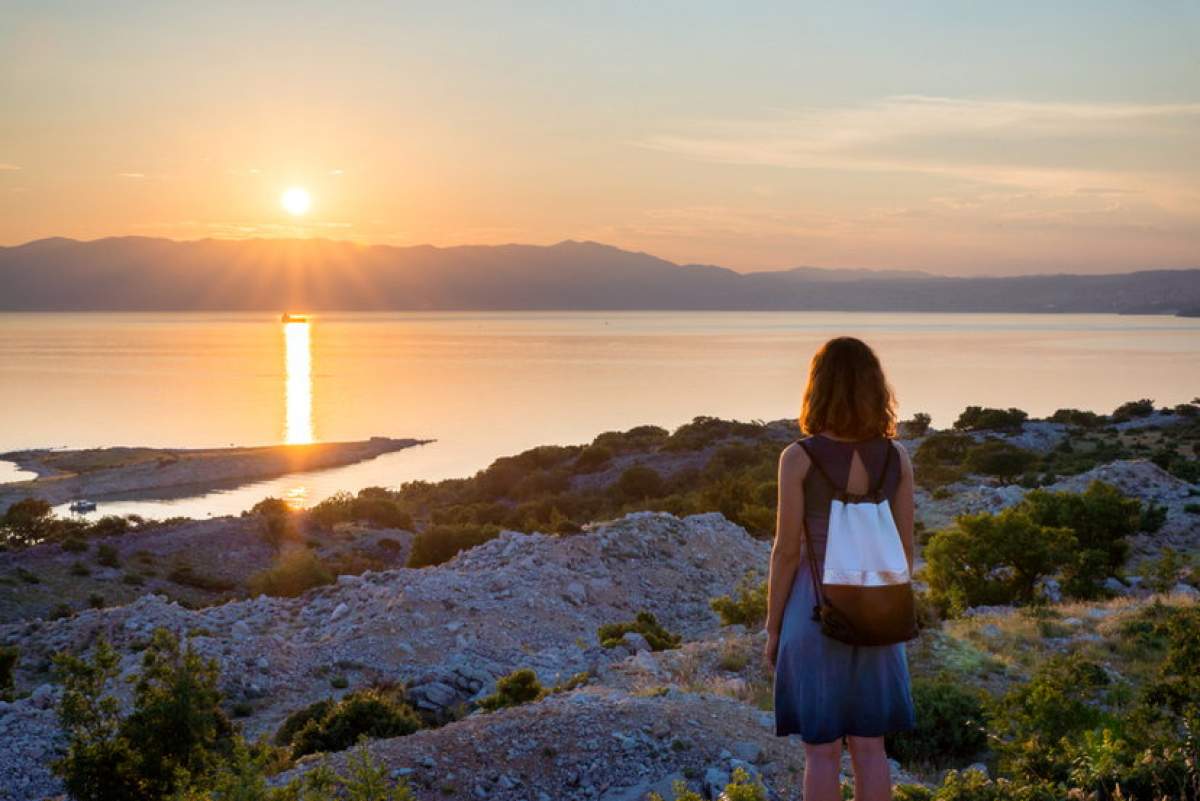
x=818 y=590
x=877 y=490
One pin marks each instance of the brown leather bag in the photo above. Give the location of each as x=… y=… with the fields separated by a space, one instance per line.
x=875 y=607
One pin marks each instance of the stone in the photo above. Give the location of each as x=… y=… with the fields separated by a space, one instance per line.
x=1186 y=591
x=1115 y=586
x=575 y=593
x=634 y=642
x=339 y=611
x=747 y=751
x=240 y=629
x=714 y=783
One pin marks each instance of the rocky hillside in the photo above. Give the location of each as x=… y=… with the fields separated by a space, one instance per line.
x=518 y=601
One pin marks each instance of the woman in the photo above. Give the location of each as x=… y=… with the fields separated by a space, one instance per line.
x=826 y=691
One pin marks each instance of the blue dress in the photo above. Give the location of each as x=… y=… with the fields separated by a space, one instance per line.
x=826 y=689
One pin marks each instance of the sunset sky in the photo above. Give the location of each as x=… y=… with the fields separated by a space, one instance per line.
x=957 y=137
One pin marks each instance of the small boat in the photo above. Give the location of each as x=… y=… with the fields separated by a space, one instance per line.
x=288 y=317
x=79 y=507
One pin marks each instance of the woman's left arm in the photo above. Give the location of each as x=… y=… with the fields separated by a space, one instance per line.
x=903 y=507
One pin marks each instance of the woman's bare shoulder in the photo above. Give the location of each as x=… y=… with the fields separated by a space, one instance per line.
x=793 y=461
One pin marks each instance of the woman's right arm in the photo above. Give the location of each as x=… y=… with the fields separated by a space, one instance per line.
x=789 y=541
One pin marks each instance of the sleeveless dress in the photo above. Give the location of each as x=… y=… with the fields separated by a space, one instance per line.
x=826 y=689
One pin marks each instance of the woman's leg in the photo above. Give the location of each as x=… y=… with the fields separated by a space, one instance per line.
x=872 y=776
x=822 y=763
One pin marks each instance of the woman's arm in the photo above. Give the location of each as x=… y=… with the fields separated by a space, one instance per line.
x=789 y=542
x=903 y=509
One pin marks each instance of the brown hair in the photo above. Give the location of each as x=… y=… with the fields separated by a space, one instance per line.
x=848 y=393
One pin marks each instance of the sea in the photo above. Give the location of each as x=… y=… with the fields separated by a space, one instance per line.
x=489 y=384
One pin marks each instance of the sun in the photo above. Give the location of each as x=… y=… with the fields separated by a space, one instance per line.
x=296 y=200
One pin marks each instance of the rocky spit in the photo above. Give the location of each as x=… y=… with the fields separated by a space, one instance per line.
x=521 y=600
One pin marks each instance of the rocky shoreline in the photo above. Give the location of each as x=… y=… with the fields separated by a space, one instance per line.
x=102 y=472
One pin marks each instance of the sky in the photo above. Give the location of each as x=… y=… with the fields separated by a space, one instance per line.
x=960 y=137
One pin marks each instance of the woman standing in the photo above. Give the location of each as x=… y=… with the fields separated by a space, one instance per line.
x=826 y=691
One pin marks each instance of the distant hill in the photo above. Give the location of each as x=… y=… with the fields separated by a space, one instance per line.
x=138 y=273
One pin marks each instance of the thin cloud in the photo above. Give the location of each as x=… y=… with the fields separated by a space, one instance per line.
x=8 y=167
x=1021 y=143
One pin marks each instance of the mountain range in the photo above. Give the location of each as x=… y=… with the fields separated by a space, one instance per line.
x=148 y=274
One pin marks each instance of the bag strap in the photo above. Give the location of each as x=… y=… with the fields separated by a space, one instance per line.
x=876 y=487
x=814 y=574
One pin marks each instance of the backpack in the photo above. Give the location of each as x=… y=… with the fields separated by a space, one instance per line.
x=865 y=596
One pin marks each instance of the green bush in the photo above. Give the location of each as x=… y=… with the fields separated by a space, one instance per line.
x=1101 y=519
x=27 y=521
x=107 y=555
x=365 y=713
x=993 y=559
x=519 y=687
x=1131 y=409
x=295 y=572
x=175 y=735
x=9 y=654
x=639 y=483
x=1063 y=699
x=79 y=569
x=593 y=458
x=741 y=787
x=939 y=458
x=372 y=505
x=1075 y=417
x=300 y=718
x=918 y=426
x=951 y=725
x=185 y=575
x=441 y=543
x=74 y=544
x=646 y=625
x=1001 y=459
x=747 y=606
x=977 y=418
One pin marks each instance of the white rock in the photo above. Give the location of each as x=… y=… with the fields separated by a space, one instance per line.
x=339 y=611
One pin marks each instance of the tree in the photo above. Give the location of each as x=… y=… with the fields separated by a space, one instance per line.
x=978 y=418
x=1001 y=459
x=993 y=559
x=27 y=521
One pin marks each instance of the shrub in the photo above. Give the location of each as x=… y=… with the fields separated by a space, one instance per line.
x=440 y=543
x=519 y=687
x=132 y=579
x=993 y=559
x=638 y=483
x=1154 y=516
x=939 y=458
x=175 y=734
x=27 y=521
x=372 y=505
x=27 y=576
x=1101 y=518
x=741 y=787
x=61 y=611
x=107 y=555
x=646 y=625
x=748 y=605
x=365 y=713
x=918 y=426
x=184 y=574
x=1131 y=409
x=295 y=572
x=592 y=458
x=1062 y=699
x=300 y=718
x=1163 y=573
x=96 y=600
x=639 y=438
x=8 y=666
x=79 y=569
x=977 y=418
x=109 y=526
x=950 y=725
x=1075 y=417
x=1000 y=459
x=74 y=544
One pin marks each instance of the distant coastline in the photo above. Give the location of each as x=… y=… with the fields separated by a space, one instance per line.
x=146 y=274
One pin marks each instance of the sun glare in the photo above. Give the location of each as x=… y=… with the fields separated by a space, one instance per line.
x=296 y=200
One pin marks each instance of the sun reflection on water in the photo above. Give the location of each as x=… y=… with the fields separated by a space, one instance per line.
x=298 y=418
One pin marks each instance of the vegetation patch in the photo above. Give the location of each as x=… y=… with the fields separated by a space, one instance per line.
x=645 y=624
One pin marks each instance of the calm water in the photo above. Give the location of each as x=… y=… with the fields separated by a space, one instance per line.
x=489 y=384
